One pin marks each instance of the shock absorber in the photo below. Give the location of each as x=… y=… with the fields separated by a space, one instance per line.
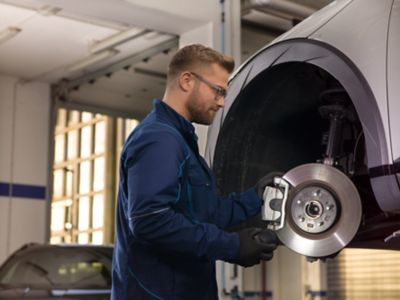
x=335 y=108
x=336 y=114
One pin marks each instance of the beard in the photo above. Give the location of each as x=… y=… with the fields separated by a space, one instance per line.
x=198 y=110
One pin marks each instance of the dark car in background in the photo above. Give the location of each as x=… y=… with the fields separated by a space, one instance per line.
x=38 y=271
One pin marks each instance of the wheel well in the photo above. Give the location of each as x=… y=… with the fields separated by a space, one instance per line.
x=276 y=124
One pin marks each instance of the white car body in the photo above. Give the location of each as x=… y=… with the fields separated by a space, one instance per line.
x=358 y=43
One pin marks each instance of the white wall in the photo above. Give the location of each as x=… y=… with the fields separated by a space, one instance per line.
x=24 y=163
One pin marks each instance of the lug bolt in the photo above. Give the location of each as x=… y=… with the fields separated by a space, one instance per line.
x=317 y=193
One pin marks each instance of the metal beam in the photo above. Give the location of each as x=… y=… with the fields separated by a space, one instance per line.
x=151 y=73
x=261 y=28
x=283 y=6
x=66 y=86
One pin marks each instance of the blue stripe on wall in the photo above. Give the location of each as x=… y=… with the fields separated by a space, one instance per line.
x=23 y=191
x=315 y=294
x=253 y=294
x=4 y=189
x=268 y=294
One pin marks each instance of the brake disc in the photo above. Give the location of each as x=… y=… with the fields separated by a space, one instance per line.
x=323 y=210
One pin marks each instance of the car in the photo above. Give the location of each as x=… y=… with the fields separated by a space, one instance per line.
x=320 y=104
x=45 y=271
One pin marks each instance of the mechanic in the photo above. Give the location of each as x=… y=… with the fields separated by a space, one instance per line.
x=171 y=224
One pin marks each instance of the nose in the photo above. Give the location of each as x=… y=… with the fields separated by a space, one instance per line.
x=221 y=102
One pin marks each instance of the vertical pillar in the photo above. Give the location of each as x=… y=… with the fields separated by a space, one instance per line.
x=285 y=275
x=232 y=34
x=110 y=186
x=315 y=280
x=24 y=163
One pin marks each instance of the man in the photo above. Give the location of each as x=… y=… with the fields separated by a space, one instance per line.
x=170 y=222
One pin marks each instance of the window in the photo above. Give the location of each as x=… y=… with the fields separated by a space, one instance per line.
x=87 y=148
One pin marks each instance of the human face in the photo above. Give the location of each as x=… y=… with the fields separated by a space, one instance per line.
x=208 y=94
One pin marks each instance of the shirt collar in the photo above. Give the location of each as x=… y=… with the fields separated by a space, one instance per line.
x=168 y=114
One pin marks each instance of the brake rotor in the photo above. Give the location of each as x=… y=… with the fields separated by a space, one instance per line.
x=323 y=210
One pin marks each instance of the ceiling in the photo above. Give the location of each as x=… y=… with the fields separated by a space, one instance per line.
x=263 y=23
x=52 y=40
x=55 y=36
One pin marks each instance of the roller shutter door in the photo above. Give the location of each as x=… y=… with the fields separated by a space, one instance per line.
x=360 y=274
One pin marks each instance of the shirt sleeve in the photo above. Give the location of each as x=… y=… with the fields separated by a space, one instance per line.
x=152 y=166
x=237 y=208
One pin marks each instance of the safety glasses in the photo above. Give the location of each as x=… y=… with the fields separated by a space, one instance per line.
x=219 y=91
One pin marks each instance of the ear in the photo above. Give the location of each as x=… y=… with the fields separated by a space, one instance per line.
x=185 y=81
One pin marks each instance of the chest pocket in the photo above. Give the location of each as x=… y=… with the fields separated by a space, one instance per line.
x=198 y=178
x=201 y=202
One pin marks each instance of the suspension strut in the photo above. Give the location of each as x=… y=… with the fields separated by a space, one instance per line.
x=336 y=114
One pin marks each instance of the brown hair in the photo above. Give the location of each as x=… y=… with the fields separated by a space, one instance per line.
x=197 y=54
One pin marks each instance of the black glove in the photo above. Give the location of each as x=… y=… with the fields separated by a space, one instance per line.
x=266 y=180
x=255 y=244
x=269 y=239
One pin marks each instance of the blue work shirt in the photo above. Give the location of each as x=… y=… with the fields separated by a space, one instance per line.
x=170 y=221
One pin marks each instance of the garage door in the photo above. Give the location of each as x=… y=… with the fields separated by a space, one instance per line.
x=359 y=274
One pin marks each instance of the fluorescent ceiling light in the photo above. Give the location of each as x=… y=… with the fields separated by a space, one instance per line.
x=48 y=10
x=118 y=39
x=9 y=33
x=88 y=61
x=152 y=35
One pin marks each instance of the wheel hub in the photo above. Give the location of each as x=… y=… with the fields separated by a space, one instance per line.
x=314 y=209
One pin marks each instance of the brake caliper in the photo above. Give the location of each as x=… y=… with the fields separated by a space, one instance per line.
x=273 y=209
